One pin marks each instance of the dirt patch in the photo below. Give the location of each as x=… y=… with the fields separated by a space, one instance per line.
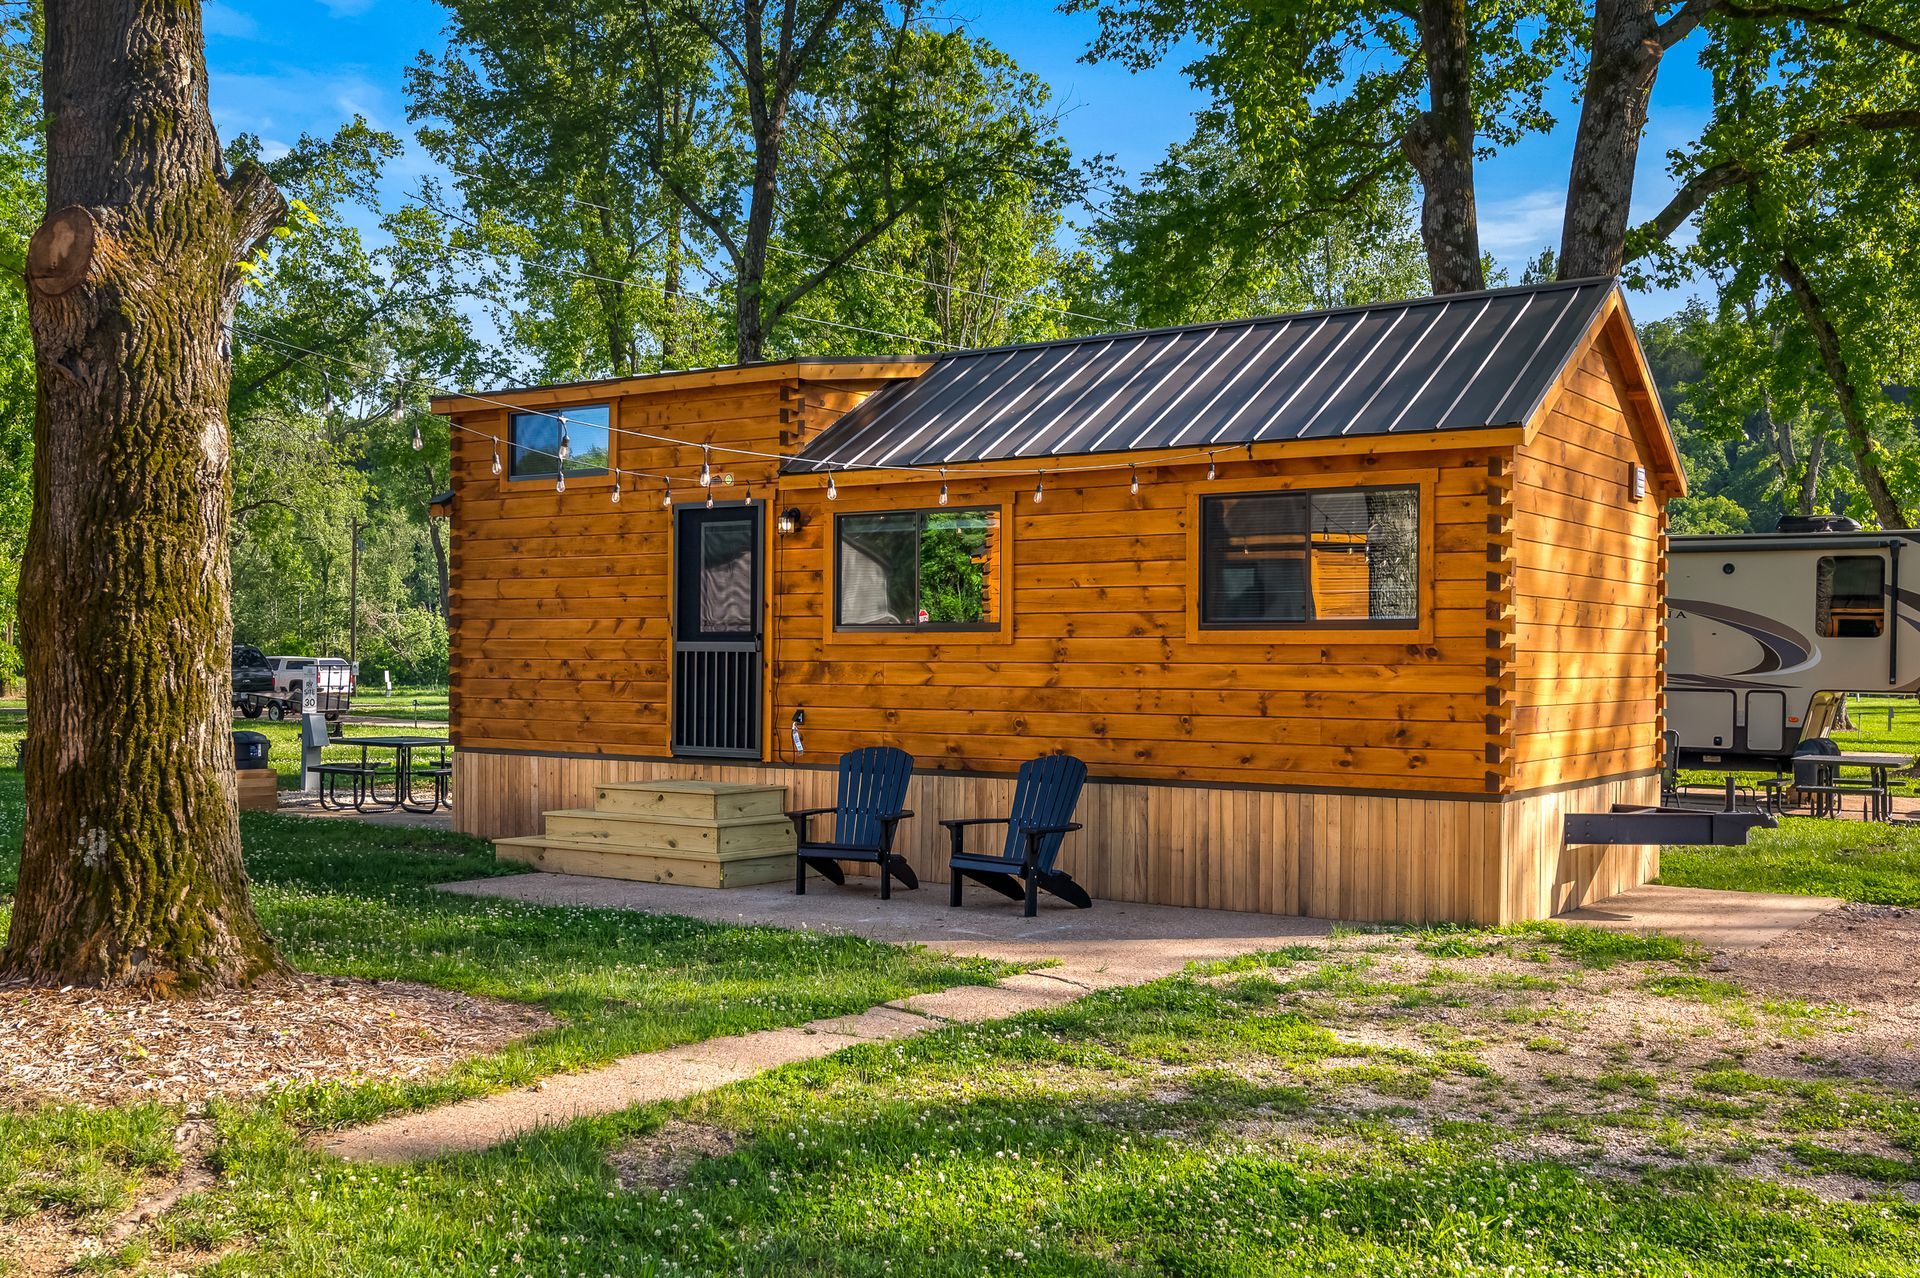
x=662 y=1159
x=107 y=1048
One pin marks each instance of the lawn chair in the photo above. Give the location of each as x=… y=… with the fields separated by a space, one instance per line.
x=1044 y=797
x=873 y=788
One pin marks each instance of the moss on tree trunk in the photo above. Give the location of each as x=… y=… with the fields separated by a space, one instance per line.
x=131 y=871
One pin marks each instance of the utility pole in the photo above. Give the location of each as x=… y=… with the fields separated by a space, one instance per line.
x=353 y=601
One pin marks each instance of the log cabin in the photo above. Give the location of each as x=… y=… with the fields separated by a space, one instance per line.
x=1344 y=610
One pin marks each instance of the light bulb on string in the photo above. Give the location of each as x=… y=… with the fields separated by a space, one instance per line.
x=1134 y=486
x=833 y=494
x=399 y=410
x=706 y=467
x=616 y=488
x=1039 y=488
x=666 y=494
x=560 y=482
x=496 y=456
x=1213 y=471
x=709 y=499
x=566 y=441
x=418 y=443
x=943 y=485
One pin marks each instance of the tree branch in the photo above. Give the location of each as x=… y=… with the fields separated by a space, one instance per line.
x=1816 y=16
x=1718 y=177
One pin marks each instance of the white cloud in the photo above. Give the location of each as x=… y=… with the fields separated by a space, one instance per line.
x=1518 y=227
x=219 y=20
x=289 y=100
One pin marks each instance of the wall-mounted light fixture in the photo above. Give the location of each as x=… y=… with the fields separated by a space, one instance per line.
x=1638 y=482
x=791 y=521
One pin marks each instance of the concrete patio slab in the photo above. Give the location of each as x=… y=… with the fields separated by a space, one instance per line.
x=1718 y=920
x=1114 y=943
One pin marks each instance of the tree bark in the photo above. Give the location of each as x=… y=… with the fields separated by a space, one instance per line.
x=130 y=873
x=1886 y=507
x=1440 y=145
x=1621 y=66
x=439 y=547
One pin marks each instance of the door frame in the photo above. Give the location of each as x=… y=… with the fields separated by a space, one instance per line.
x=762 y=542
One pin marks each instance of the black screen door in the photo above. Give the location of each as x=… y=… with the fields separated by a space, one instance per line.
x=716 y=632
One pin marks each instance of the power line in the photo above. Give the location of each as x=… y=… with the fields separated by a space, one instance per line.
x=869 y=270
x=663 y=289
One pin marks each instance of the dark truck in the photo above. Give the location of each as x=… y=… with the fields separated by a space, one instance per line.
x=252 y=679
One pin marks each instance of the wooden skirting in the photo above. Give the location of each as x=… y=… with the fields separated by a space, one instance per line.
x=1350 y=856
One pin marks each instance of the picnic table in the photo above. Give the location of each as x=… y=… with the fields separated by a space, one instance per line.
x=367 y=774
x=1828 y=788
x=1878 y=764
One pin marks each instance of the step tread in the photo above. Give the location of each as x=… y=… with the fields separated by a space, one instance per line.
x=565 y=843
x=688 y=787
x=658 y=818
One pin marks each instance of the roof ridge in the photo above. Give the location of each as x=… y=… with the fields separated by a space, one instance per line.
x=1407 y=303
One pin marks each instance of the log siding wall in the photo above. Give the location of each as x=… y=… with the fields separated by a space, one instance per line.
x=1417 y=775
x=1589 y=607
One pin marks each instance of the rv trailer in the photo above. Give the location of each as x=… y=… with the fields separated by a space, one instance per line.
x=1767 y=632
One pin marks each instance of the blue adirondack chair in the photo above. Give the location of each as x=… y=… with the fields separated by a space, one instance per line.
x=873 y=792
x=1044 y=796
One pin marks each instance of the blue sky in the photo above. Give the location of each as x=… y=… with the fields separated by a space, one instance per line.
x=288 y=67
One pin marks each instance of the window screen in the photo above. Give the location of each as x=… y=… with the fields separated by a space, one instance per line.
x=916 y=569
x=1296 y=558
x=534 y=442
x=1850 y=597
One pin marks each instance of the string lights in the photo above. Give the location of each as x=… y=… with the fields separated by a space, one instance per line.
x=707 y=476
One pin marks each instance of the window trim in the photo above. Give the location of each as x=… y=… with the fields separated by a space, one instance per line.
x=1879 y=558
x=1341 y=630
x=1000 y=569
x=598 y=477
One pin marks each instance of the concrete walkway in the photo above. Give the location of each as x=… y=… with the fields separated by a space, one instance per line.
x=1718 y=920
x=1112 y=944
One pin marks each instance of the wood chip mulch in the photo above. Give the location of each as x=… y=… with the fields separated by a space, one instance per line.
x=105 y=1047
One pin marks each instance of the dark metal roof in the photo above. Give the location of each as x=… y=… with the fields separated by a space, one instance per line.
x=1461 y=361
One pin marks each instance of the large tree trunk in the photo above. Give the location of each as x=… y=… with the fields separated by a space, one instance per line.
x=1622 y=64
x=1886 y=508
x=131 y=872
x=750 y=293
x=1440 y=145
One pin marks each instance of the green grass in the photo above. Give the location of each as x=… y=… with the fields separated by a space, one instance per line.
x=1853 y=860
x=1187 y=1127
x=347 y=899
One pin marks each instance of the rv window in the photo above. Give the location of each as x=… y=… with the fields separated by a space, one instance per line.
x=916 y=570
x=1300 y=558
x=534 y=442
x=1849 y=600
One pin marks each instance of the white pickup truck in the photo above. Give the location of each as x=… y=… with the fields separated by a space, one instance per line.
x=330 y=678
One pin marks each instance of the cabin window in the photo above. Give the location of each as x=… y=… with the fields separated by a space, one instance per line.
x=534 y=442
x=917 y=570
x=1849 y=597
x=1340 y=557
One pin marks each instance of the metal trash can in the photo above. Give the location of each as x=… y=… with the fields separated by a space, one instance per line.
x=250 y=750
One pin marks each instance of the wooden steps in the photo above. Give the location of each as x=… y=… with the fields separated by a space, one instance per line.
x=699 y=833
